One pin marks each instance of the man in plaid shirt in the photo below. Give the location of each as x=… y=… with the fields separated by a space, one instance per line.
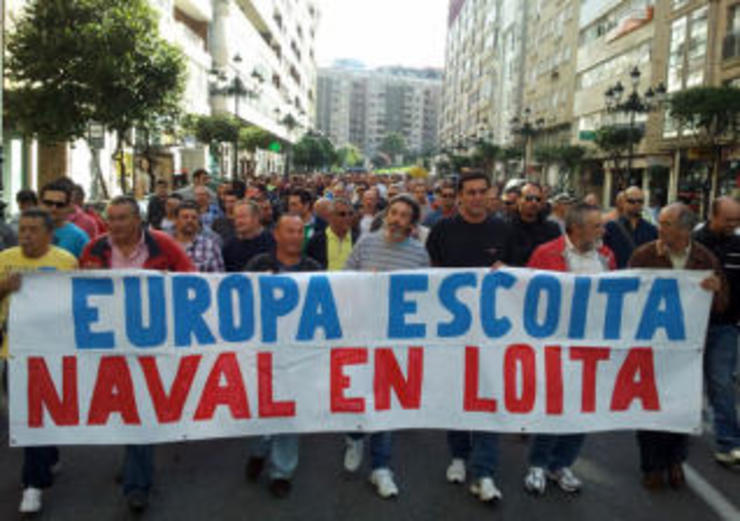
x=208 y=210
x=203 y=250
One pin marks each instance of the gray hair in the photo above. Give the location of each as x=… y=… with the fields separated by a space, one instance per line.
x=686 y=218
x=576 y=215
x=340 y=201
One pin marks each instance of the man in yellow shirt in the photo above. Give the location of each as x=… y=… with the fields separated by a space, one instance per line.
x=332 y=246
x=34 y=253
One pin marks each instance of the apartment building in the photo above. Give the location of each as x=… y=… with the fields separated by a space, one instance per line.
x=361 y=106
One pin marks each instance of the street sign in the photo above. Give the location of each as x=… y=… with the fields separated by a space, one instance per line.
x=587 y=135
x=274 y=146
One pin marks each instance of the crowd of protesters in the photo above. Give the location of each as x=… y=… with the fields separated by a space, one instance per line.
x=362 y=221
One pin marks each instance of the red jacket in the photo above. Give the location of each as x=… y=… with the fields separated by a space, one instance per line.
x=164 y=253
x=551 y=256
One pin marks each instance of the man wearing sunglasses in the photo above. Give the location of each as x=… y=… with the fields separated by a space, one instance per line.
x=55 y=199
x=447 y=205
x=331 y=247
x=528 y=225
x=628 y=231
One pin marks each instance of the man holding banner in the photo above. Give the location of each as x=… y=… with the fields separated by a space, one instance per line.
x=129 y=246
x=280 y=451
x=662 y=453
x=391 y=248
x=472 y=238
x=578 y=251
x=34 y=253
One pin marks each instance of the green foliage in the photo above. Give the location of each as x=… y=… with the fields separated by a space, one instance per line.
x=314 y=152
x=712 y=112
x=75 y=61
x=349 y=156
x=216 y=129
x=251 y=138
x=393 y=144
x=510 y=153
x=616 y=139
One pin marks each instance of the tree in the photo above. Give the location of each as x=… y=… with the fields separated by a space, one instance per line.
x=214 y=131
x=569 y=157
x=485 y=155
x=349 y=156
x=616 y=141
x=251 y=138
x=313 y=152
x=74 y=62
x=712 y=116
x=393 y=144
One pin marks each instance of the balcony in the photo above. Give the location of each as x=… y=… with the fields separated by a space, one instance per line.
x=200 y=10
x=731 y=46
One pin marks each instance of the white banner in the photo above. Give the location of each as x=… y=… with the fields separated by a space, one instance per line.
x=146 y=357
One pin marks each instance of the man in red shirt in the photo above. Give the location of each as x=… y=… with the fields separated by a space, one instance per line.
x=129 y=246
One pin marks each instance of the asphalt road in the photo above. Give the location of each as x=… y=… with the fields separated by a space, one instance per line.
x=205 y=481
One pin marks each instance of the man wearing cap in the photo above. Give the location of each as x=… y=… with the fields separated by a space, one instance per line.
x=561 y=203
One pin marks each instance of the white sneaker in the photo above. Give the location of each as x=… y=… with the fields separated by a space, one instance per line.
x=485 y=489
x=566 y=480
x=456 y=471
x=383 y=480
x=353 y=454
x=535 y=480
x=31 y=501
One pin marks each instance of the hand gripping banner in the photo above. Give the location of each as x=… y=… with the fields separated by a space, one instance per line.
x=146 y=357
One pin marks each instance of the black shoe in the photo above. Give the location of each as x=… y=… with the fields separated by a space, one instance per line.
x=254 y=468
x=280 y=488
x=137 y=500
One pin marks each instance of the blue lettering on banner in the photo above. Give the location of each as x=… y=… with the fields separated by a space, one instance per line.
x=241 y=287
x=551 y=287
x=85 y=315
x=137 y=333
x=461 y=317
x=579 y=308
x=398 y=307
x=493 y=326
x=615 y=290
x=189 y=310
x=319 y=310
x=273 y=306
x=662 y=309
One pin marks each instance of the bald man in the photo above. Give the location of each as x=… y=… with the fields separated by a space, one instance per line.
x=720 y=356
x=280 y=452
x=662 y=453
x=627 y=232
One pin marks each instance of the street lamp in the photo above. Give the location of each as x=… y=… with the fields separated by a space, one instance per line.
x=634 y=104
x=528 y=130
x=234 y=86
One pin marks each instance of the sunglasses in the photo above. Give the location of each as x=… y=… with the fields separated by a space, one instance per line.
x=342 y=214
x=635 y=201
x=532 y=198
x=509 y=203
x=55 y=204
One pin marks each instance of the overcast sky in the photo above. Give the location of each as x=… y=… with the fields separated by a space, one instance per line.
x=383 y=32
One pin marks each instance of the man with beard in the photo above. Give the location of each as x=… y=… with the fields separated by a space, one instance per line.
x=203 y=250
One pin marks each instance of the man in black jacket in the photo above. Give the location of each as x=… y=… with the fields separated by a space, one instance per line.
x=528 y=226
x=720 y=357
x=331 y=247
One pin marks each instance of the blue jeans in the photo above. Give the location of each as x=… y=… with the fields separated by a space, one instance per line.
x=480 y=447
x=281 y=452
x=720 y=360
x=37 y=463
x=138 y=468
x=381 y=445
x=554 y=452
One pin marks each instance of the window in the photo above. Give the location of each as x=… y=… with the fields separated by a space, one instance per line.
x=688 y=50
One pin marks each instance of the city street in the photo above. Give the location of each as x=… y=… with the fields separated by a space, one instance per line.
x=205 y=480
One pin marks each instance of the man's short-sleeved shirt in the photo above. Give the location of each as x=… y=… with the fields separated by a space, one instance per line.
x=13 y=260
x=373 y=252
x=71 y=238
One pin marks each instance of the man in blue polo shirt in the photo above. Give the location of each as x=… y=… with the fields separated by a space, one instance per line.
x=624 y=234
x=56 y=198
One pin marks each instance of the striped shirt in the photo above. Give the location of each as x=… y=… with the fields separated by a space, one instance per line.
x=373 y=252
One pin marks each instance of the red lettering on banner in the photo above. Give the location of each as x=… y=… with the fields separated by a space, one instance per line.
x=114 y=392
x=42 y=393
x=339 y=381
x=639 y=360
x=268 y=407
x=233 y=394
x=389 y=375
x=523 y=355
x=169 y=408
x=554 y=379
x=471 y=401
x=590 y=357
